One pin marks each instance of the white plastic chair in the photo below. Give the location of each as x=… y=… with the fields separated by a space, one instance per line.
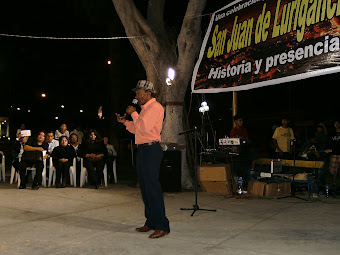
x=115 y=170
x=2 y=172
x=53 y=173
x=73 y=173
x=13 y=174
x=83 y=174
x=33 y=174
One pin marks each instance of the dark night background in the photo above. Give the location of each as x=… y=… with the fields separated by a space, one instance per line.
x=75 y=73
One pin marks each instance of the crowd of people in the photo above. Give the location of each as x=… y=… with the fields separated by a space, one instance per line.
x=322 y=145
x=62 y=147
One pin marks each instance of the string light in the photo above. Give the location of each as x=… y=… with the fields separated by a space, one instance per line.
x=71 y=38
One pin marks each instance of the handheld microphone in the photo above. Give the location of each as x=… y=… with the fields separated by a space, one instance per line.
x=135 y=101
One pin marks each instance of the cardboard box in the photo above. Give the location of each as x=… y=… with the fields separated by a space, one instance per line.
x=256 y=188
x=223 y=188
x=269 y=189
x=217 y=172
x=277 y=189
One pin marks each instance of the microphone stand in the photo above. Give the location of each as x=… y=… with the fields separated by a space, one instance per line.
x=195 y=206
x=292 y=193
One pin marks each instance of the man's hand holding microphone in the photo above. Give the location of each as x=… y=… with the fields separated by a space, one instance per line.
x=129 y=110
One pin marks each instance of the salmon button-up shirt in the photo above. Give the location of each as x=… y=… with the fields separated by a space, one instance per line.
x=147 y=126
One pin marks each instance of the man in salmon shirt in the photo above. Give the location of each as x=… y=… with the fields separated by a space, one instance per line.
x=147 y=127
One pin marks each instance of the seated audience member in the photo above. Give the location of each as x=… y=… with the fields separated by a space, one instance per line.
x=33 y=156
x=62 y=131
x=334 y=161
x=52 y=143
x=62 y=157
x=18 y=150
x=111 y=157
x=94 y=153
x=18 y=134
x=74 y=143
x=282 y=139
x=79 y=134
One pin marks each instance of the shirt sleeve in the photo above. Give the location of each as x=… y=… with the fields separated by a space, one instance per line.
x=114 y=151
x=55 y=155
x=103 y=149
x=233 y=133
x=275 y=134
x=72 y=153
x=82 y=149
x=145 y=123
x=292 y=137
x=130 y=126
x=57 y=135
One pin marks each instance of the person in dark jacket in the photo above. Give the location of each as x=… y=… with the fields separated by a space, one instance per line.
x=62 y=157
x=94 y=153
x=38 y=145
x=18 y=150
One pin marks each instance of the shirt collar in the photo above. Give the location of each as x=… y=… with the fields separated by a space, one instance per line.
x=147 y=104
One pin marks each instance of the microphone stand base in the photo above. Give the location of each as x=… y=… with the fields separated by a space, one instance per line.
x=196 y=208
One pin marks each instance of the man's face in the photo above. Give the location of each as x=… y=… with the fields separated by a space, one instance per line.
x=337 y=124
x=239 y=122
x=285 y=122
x=64 y=142
x=24 y=139
x=106 y=140
x=49 y=137
x=74 y=139
x=41 y=137
x=63 y=128
x=142 y=96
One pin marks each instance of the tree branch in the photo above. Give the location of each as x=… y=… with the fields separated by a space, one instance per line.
x=156 y=16
x=191 y=26
x=132 y=20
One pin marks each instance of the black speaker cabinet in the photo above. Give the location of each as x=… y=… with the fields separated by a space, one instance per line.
x=171 y=170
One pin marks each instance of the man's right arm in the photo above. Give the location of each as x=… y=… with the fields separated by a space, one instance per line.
x=130 y=126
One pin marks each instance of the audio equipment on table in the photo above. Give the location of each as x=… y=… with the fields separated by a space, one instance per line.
x=232 y=146
x=231 y=141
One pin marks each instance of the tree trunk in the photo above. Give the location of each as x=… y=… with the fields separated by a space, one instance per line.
x=157 y=53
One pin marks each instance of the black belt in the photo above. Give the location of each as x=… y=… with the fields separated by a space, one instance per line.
x=147 y=144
